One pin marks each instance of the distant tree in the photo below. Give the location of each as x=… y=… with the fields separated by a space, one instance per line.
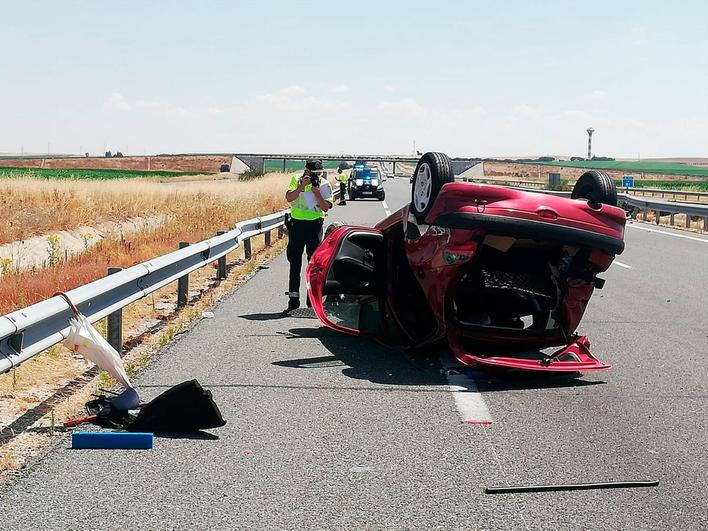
x=601 y=158
x=573 y=159
x=545 y=159
x=118 y=154
x=87 y=154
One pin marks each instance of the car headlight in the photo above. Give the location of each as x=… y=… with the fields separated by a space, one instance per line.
x=359 y=182
x=374 y=182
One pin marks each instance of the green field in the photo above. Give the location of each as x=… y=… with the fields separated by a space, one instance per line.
x=55 y=173
x=666 y=168
x=294 y=165
x=693 y=186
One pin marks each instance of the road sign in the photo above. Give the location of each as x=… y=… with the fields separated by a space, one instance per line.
x=628 y=181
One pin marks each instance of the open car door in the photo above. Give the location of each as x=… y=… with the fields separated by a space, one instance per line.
x=346 y=281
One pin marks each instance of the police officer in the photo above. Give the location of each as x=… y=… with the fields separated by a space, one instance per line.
x=310 y=196
x=343 y=179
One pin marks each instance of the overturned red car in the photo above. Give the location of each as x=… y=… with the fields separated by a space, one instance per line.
x=504 y=275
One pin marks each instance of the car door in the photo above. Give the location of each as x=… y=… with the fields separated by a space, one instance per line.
x=346 y=281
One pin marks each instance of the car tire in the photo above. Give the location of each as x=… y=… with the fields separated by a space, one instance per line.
x=432 y=172
x=597 y=187
x=382 y=197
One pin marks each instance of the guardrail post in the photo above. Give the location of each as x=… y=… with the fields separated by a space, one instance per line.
x=115 y=322
x=705 y=223
x=247 y=248
x=281 y=232
x=671 y=219
x=658 y=215
x=267 y=238
x=182 y=284
x=688 y=221
x=221 y=263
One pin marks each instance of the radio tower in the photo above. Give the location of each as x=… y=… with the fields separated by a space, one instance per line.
x=590 y=131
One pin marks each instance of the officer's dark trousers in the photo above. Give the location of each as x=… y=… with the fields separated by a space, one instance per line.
x=302 y=235
x=342 y=192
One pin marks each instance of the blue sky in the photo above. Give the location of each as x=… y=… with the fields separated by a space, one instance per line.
x=467 y=78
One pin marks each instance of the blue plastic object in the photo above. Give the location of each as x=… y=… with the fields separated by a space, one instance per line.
x=81 y=440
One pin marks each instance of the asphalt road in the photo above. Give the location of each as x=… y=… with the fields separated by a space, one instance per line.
x=327 y=431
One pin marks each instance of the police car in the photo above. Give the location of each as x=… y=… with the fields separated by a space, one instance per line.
x=365 y=181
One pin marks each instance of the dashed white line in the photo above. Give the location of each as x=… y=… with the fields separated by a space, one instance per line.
x=468 y=399
x=668 y=233
x=385 y=206
x=626 y=266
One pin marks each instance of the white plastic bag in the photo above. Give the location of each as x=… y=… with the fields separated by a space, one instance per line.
x=84 y=339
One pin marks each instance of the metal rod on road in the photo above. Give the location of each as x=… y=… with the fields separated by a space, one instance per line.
x=574 y=486
x=221 y=263
x=182 y=284
x=115 y=322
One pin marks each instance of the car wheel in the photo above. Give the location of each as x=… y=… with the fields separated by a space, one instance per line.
x=596 y=187
x=432 y=172
x=382 y=197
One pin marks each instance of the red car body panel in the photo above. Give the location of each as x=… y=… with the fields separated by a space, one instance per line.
x=438 y=252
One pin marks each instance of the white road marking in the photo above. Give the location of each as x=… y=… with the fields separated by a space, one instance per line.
x=626 y=266
x=468 y=399
x=668 y=233
x=385 y=206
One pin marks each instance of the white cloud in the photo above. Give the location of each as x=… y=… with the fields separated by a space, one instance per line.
x=598 y=94
x=295 y=100
x=145 y=104
x=405 y=107
x=294 y=90
x=116 y=101
x=297 y=118
x=339 y=89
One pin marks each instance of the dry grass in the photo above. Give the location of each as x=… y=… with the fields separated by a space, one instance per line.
x=31 y=206
x=195 y=210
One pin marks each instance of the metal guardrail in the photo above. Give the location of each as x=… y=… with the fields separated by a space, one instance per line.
x=671 y=194
x=661 y=207
x=27 y=332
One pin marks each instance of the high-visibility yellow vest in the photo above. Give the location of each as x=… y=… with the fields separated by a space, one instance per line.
x=343 y=177
x=305 y=207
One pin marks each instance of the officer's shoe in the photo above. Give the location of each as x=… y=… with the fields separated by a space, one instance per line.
x=293 y=304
